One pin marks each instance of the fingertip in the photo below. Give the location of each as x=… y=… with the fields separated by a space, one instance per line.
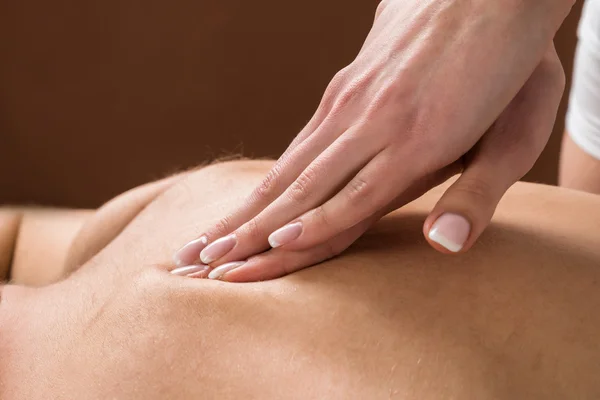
x=464 y=210
x=190 y=269
x=190 y=253
x=285 y=235
x=250 y=272
x=218 y=249
x=222 y=271
x=451 y=231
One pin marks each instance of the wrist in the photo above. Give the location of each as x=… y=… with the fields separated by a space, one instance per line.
x=552 y=12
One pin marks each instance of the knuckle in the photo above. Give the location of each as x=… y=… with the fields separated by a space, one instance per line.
x=321 y=218
x=302 y=187
x=333 y=89
x=343 y=99
x=478 y=190
x=224 y=226
x=340 y=78
x=347 y=89
x=354 y=87
x=267 y=189
x=252 y=229
x=358 y=190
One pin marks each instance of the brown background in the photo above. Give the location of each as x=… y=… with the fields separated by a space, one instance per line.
x=97 y=97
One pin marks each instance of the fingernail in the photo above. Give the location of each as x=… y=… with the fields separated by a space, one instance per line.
x=190 y=252
x=190 y=269
x=450 y=231
x=285 y=235
x=200 y=274
x=218 y=273
x=218 y=249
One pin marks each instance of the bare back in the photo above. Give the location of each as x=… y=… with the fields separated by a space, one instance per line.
x=516 y=317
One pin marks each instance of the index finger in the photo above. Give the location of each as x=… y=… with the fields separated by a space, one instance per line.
x=371 y=190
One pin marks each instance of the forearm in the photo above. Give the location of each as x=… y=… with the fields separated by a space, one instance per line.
x=580 y=158
x=554 y=10
x=541 y=18
x=578 y=170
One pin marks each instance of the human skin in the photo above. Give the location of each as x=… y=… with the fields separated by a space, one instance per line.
x=437 y=82
x=578 y=169
x=516 y=317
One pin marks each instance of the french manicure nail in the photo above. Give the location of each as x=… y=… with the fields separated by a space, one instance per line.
x=450 y=231
x=199 y=275
x=190 y=269
x=190 y=252
x=218 y=273
x=218 y=249
x=285 y=235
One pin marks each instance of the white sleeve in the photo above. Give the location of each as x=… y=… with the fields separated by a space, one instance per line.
x=583 y=116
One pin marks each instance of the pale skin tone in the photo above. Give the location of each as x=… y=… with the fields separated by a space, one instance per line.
x=460 y=85
x=516 y=317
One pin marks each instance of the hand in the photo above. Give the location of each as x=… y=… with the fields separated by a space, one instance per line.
x=438 y=87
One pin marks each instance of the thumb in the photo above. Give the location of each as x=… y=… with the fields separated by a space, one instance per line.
x=504 y=154
x=464 y=211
